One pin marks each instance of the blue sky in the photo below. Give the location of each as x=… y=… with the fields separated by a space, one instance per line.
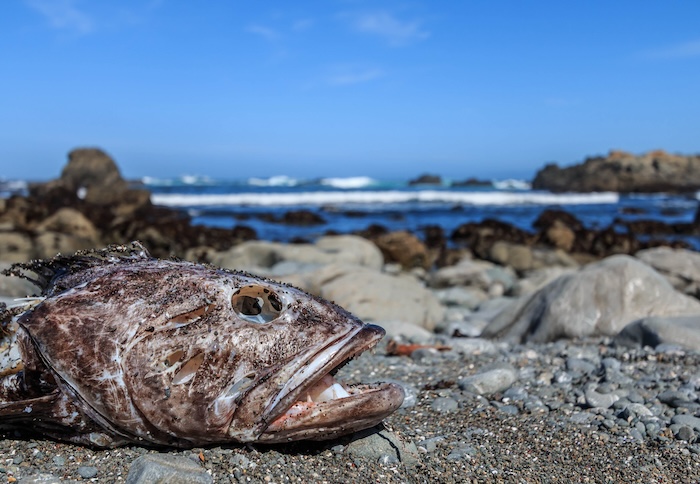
x=384 y=88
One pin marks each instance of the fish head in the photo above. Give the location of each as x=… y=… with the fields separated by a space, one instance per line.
x=255 y=362
x=177 y=353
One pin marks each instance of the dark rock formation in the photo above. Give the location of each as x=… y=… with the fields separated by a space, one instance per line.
x=426 y=179
x=656 y=171
x=472 y=182
x=92 y=205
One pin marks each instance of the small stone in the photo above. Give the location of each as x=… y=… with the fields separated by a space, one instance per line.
x=685 y=433
x=166 y=468
x=87 y=472
x=18 y=459
x=490 y=381
x=600 y=400
x=59 y=461
x=444 y=405
x=689 y=420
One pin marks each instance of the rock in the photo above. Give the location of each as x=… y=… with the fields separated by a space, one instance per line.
x=166 y=468
x=87 y=472
x=404 y=248
x=680 y=266
x=468 y=297
x=490 y=380
x=468 y=272
x=654 y=331
x=373 y=296
x=93 y=176
x=600 y=299
x=480 y=237
x=302 y=218
x=15 y=247
x=261 y=257
x=49 y=244
x=90 y=167
x=373 y=444
x=656 y=171
x=70 y=221
x=537 y=279
x=402 y=328
x=517 y=256
x=11 y=286
x=560 y=236
x=426 y=179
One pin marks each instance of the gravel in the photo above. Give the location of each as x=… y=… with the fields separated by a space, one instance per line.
x=583 y=411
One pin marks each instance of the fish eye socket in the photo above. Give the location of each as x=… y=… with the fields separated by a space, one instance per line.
x=256 y=304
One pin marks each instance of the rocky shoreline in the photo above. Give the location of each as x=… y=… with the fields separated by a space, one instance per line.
x=567 y=355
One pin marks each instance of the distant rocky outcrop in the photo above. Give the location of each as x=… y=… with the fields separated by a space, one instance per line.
x=91 y=205
x=655 y=171
x=426 y=179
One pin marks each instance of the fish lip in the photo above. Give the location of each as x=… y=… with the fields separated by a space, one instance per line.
x=367 y=407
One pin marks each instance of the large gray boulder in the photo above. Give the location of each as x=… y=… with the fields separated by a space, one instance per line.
x=372 y=295
x=653 y=331
x=600 y=299
x=680 y=266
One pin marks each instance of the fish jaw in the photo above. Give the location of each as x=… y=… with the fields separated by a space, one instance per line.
x=334 y=409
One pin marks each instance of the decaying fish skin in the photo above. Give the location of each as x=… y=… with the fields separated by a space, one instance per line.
x=124 y=348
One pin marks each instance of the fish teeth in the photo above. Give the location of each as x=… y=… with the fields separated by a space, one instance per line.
x=326 y=389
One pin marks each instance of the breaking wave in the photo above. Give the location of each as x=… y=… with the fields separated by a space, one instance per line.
x=384 y=197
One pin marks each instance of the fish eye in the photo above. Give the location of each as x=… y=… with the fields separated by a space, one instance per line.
x=256 y=304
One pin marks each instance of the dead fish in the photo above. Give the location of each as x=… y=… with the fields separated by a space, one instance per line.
x=123 y=348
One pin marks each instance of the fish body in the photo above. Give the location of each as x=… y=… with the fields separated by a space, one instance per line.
x=124 y=348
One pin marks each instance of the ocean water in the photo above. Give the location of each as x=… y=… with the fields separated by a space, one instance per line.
x=353 y=204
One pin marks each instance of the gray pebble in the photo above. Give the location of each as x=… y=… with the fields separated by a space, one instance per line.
x=18 y=459
x=59 y=461
x=689 y=420
x=166 y=468
x=461 y=452
x=444 y=405
x=490 y=381
x=600 y=400
x=685 y=433
x=87 y=472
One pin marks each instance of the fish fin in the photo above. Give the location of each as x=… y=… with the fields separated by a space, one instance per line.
x=43 y=273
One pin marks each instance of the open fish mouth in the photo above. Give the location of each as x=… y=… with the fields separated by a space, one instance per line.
x=314 y=405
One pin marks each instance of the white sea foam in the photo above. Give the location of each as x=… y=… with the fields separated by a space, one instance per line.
x=349 y=183
x=274 y=181
x=511 y=184
x=383 y=197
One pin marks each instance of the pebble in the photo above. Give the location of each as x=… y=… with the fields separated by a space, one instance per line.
x=490 y=381
x=87 y=472
x=444 y=405
x=172 y=469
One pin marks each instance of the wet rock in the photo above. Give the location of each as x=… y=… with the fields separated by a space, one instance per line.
x=166 y=468
x=303 y=218
x=601 y=299
x=404 y=248
x=656 y=331
x=480 y=237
